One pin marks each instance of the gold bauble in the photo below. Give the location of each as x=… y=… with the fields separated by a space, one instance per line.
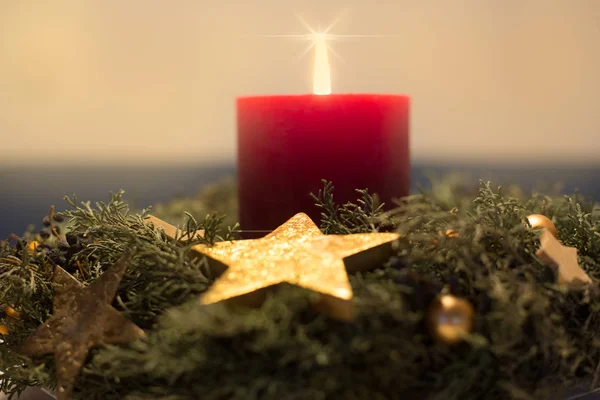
x=539 y=221
x=450 y=318
x=11 y=312
x=451 y=233
x=31 y=246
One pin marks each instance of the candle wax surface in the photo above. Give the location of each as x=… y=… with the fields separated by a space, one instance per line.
x=287 y=144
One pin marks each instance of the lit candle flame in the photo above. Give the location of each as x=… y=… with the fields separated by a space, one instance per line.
x=321 y=74
x=319 y=41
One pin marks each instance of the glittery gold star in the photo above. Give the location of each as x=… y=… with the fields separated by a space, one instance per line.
x=297 y=253
x=565 y=258
x=82 y=318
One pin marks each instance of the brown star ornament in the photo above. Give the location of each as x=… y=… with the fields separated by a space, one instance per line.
x=82 y=318
x=296 y=253
x=553 y=253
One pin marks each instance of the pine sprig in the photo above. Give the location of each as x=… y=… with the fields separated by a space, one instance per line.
x=366 y=215
x=211 y=229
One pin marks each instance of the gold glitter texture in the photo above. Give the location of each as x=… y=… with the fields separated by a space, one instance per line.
x=297 y=253
x=82 y=318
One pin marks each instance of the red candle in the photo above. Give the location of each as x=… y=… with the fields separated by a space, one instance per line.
x=288 y=144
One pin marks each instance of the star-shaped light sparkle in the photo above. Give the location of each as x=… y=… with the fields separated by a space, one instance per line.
x=82 y=318
x=564 y=258
x=297 y=253
x=319 y=40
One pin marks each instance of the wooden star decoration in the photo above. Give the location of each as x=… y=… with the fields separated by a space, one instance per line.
x=553 y=253
x=297 y=253
x=169 y=230
x=82 y=318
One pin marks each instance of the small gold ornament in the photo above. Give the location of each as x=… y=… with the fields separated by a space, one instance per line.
x=539 y=221
x=31 y=246
x=563 y=258
x=11 y=312
x=451 y=233
x=297 y=253
x=82 y=318
x=450 y=318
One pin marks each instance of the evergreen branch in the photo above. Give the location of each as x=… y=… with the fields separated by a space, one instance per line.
x=366 y=215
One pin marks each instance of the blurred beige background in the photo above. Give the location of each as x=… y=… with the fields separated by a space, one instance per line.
x=149 y=81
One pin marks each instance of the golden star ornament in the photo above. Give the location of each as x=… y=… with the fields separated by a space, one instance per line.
x=82 y=318
x=296 y=253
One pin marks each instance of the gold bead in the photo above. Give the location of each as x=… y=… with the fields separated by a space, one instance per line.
x=11 y=312
x=449 y=233
x=452 y=233
x=539 y=221
x=3 y=330
x=32 y=246
x=449 y=318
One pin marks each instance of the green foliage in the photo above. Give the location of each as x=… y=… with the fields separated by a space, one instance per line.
x=210 y=228
x=366 y=215
x=532 y=338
